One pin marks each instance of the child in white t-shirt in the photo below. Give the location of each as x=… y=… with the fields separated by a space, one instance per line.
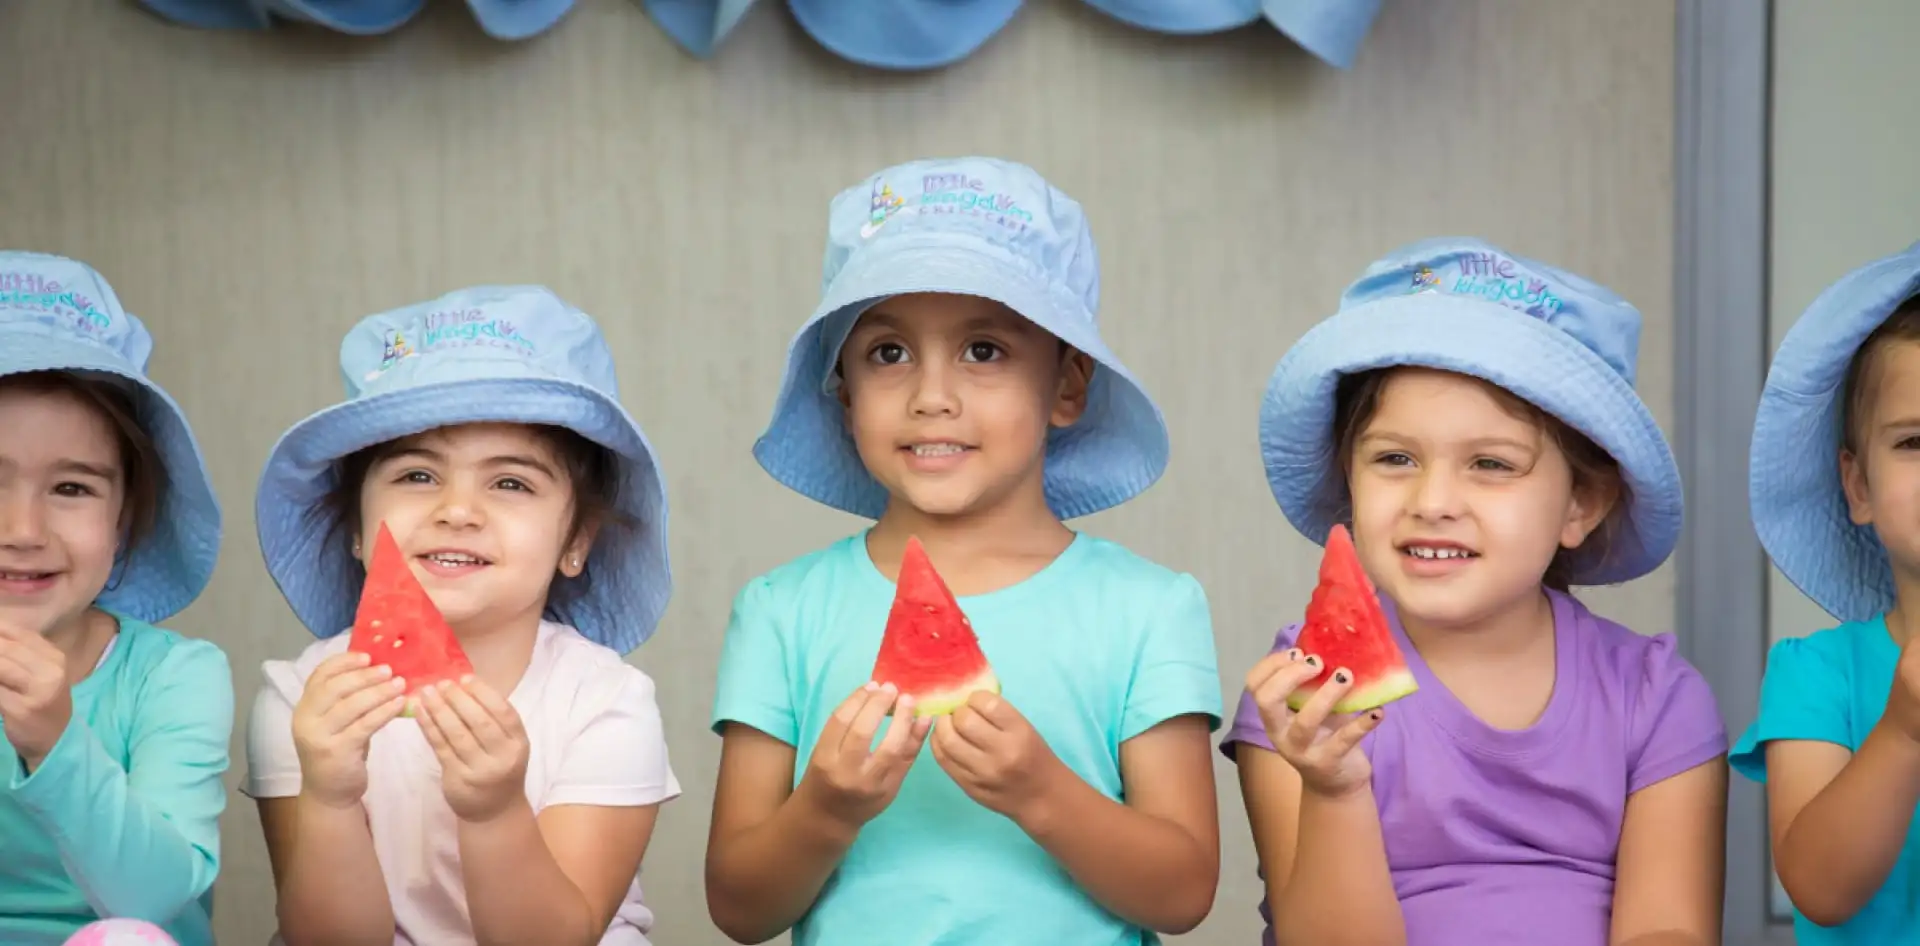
x=483 y=430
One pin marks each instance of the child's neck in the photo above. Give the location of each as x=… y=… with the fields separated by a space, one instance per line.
x=500 y=650
x=1514 y=629
x=974 y=554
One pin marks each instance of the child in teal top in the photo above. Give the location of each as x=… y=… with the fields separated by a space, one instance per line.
x=952 y=385
x=115 y=730
x=1837 y=737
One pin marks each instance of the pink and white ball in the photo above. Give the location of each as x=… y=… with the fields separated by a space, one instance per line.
x=120 y=933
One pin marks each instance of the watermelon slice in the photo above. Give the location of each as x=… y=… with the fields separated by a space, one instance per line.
x=1345 y=627
x=398 y=626
x=929 y=650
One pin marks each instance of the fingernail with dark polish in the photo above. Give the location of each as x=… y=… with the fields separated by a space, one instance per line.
x=1293 y=654
x=1340 y=676
x=1375 y=715
x=1313 y=661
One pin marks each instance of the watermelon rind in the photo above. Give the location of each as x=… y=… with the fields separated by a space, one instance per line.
x=1390 y=686
x=943 y=702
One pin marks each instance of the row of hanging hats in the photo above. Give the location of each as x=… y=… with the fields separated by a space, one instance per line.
x=901 y=35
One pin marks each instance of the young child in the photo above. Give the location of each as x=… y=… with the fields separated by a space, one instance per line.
x=116 y=731
x=952 y=385
x=484 y=430
x=1556 y=778
x=1834 y=488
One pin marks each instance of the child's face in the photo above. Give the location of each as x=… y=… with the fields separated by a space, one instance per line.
x=62 y=487
x=482 y=513
x=950 y=398
x=1458 y=504
x=1883 y=482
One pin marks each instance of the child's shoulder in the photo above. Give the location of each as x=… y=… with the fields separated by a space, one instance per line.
x=150 y=647
x=1628 y=656
x=1843 y=645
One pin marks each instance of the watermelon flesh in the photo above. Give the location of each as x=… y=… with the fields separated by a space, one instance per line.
x=398 y=625
x=1346 y=627
x=929 y=650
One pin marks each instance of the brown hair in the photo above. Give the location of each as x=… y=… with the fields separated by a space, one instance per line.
x=1595 y=472
x=144 y=476
x=591 y=470
x=1902 y=326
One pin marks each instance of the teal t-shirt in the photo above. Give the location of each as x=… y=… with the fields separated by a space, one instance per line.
x=1832 y=686
x=122 y=818
x=1096 y=648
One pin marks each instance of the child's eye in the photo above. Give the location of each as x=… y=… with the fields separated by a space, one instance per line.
x=1393 y=459
x=514 y=483
x=74 y=490
x=1491 y=465
x=415 y=476
x=1907 y=443
x=888 y=353
x=982 y=351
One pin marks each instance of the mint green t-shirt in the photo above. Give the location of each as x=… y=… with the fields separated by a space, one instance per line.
x=1096 y=648
x=122 y=818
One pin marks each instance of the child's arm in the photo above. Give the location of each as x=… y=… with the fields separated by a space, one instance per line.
x=142 y=842
x=1346 y=896
x=328 y=881
x=1153 y=860
x=770 y=849
x=1838 y=818
x=1670 y=871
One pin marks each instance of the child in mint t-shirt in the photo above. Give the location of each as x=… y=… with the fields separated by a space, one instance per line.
x=1835 y=482
x=115 y=731
x=952 y=385
x=1556 y=779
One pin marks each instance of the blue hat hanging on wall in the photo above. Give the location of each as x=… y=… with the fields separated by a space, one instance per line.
x=500 y=19
x=899 y=35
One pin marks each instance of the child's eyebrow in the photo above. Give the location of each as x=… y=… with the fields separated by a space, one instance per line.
x=521 y=460
x=106 y=472
x=1393 y=437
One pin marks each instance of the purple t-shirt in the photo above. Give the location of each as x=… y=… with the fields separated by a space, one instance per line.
x=1509 y=836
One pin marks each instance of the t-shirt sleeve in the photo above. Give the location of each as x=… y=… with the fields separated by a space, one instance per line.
x=618 y=756
x=273 y=767
x=1676 y=722
x=1247 y=726
x=752 y=688
x=144 y=841
x=1803 y=695
x=1176 y=671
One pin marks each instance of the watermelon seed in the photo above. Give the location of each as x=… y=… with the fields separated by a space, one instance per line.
x=396 y=643
x=376 y=638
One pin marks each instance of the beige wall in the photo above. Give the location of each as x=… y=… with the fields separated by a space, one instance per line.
x=252 y=195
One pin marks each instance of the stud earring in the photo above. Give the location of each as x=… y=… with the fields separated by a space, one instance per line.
x=576 y=561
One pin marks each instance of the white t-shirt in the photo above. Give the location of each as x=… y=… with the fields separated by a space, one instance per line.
x=595 y=739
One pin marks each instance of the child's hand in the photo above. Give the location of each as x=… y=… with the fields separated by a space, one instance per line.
x=1326 y=752
x=35 y=704
x=345 y=702
x=1903 y=702
x=995 y=755
x=851 y=782
x=481 y=744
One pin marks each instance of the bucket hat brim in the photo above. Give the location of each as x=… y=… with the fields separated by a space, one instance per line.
x=1182 y=19
x=1332 y=30
x=168 y=569
x=309 y=558
x=698 y=26
x=353 y=17
x=518 y=19
x=210 y=14
x=1522 y=354
x=903 y=35
x=1797 y=501
x=1117 y=449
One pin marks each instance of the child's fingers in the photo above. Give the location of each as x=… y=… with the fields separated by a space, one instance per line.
x=1320 y=706
x=436 y=739
x=961 y=754
x=893 y=745
x=369 y=722
x=453 y=730
x=858 y=742
x=1273 y=691
x=347 y=683
x=487 y=732
x=14 y=675
x=1269 y=665
x=1347 y=738
x=499 y=707
x=343 y=715
x=835 y=729
x=342 y=662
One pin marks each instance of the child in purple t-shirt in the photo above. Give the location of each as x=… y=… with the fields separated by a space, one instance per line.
x=1557 y=777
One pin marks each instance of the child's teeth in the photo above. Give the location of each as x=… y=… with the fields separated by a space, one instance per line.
x=936 y=449
x=1420 y=551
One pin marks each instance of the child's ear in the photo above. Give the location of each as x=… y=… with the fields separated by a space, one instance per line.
x=1070 y=400
x=1853 y=481
x=1589 y=508
x=573 y=558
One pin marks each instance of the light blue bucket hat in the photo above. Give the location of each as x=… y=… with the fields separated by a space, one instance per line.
x=699 y=26
x=353 y=17
x=58 y=314
x=502 y=354
x=1329 y=29
x=903 y=35
x=1799 y=508
x=969 y=226
x=1458 y=304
